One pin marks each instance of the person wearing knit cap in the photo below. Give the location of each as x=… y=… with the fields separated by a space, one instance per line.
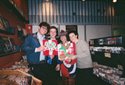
x=66 y=54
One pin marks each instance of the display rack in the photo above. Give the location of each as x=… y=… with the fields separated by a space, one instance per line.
x=108 y=55
x=18 y=77
x=7 y=46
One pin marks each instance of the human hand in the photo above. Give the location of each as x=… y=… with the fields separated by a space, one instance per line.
x=51 y=56
x=57 y=67
x=62 y=57
x=68 y=59
x=73 y=57
x=41 y=48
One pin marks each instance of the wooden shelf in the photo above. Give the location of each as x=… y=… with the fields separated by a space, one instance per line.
x=14 y=9
x=9 y=60
x=9 y=53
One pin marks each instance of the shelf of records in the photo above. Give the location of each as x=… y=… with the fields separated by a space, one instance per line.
x=17 y=74
x=107 y=49
x=5 y=27
x=12 y=78
x=108 y=41
x=113 y=76
x=17 y=77
x=21 y=65
x=3 y=23
x=7 y=46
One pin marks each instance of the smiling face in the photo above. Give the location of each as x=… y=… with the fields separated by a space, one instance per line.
x=53 y=33
x=73 y=37
x=63 y=39
x=43 y=30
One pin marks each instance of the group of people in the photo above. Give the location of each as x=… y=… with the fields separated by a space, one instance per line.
x=67 y=56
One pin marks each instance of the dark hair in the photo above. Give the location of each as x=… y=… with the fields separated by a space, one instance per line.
x=63 y=33
x=73 y=32
x=44 y=24
x=53 y=27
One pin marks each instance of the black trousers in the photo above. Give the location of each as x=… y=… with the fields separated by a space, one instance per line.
x=84 y=76
x=45 y=72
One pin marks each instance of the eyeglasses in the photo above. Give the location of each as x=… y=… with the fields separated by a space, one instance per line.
x=44 y=27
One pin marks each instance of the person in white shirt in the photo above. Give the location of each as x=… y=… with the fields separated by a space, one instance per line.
x=33 y=48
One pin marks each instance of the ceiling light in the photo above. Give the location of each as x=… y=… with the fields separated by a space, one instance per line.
x=114 y=1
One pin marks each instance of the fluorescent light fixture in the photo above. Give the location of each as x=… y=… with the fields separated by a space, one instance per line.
x=114 y=1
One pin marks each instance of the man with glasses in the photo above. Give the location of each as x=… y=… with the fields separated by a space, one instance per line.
x=33 y=47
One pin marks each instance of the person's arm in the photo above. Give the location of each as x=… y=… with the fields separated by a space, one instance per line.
x=27 y=46
x=39 y=49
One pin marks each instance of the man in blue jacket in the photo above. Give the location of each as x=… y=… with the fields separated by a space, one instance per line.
x=33 y=47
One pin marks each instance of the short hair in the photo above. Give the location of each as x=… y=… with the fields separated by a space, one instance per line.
x=53 y=27
x=73 y=32
x=44 y=24
x=62 y=33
